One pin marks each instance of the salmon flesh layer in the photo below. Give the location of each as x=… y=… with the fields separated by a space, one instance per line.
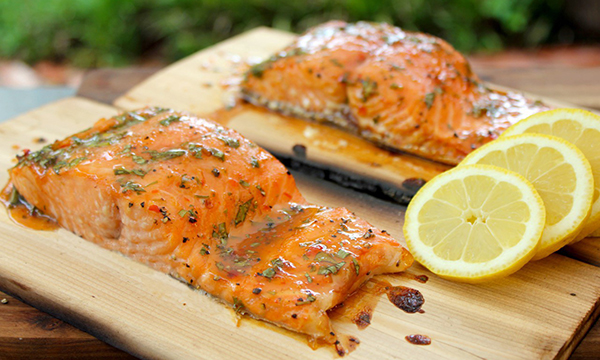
x=202 y=203
x=402 y=90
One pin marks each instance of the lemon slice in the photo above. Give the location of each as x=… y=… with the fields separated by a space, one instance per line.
x=558 y=171
x=475 y=223
x=582 y=129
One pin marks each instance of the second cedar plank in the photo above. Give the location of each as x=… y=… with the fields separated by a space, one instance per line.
x=540 y=312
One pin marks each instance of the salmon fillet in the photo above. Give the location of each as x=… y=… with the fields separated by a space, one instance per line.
x=202 y=203
x=405 y=91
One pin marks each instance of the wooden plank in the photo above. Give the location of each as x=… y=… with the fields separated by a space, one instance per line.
x=26 y=333
x=579 y=86
x=540 y=312
x=185 y=85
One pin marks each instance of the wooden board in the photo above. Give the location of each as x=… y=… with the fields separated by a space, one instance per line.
x=539 y=313
x=194 y=84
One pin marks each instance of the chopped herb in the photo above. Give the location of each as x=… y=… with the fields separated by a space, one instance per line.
x=244 y=183
x=196 y=150
x=231 y=142
x=220 y=232
x=332 y=269
x=204 y=250
x=368 y=234
x=376 y=119
x=369 y=88
x=165 y=155
x=268 y=273
x=310 y=298
x=308 y=278
x=123 y=171
x=430 y=97
x=323 y=256
x=254 y=162
x=255 y=244
x=277 y=262
x=238 y=306
x=262 y=192
x=356 y=266
x=182 y=212
x=202 y=196
x=171 y=119
x=258 y=69
x=59 y=165
x=242 y=211
x=219 y=265
x=342 y=254
x=130 y=185
x=139 y=160
x=77 y=161
x=152 y=183
x=217 y=153
x=396 y=86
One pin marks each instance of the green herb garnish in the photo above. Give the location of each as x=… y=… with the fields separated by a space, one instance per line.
x=356 y=266
x=242 y=211
x=231 y=142
x=165 y=155
x=217 y=153
x=332 y=269
x=133 y=186
x=369 y=88
x=220 y=232
x=123 y=171
x=310 y=298
x=171 y=119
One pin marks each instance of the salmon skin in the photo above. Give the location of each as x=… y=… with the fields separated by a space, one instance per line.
x=404 y=91
x=209 y=207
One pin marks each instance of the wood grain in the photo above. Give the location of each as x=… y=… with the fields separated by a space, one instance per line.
x=26 y=333
x=540 y=312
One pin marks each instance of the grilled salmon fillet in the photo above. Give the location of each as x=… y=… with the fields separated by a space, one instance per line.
x=202 y=203
x=405 y=91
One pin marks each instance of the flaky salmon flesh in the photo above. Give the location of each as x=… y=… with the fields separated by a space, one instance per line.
x=405 y=91
x=202 y=203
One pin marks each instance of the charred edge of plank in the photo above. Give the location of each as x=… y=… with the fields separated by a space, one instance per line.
x=374 y=187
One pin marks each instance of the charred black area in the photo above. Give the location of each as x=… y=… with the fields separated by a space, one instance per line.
x=379 y=189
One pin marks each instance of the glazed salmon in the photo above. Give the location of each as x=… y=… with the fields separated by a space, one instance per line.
x=202 y=203
x=405 y=91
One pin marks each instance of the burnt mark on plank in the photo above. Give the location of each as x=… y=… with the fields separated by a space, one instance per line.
x=407 y=299
x=299 y=150
x=413 y=184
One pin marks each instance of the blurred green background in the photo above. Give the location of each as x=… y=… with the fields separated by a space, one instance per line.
x=92 y=33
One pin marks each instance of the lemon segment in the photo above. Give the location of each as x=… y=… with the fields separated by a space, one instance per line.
x=557 y=170
x=582 y=129
x=475 y=223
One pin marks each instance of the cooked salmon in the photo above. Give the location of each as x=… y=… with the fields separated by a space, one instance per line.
x=200 y=202
x=405 y=91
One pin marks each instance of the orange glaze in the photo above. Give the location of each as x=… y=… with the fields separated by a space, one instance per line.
x=198 y=201
x=24 y=214
x=405 y=91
